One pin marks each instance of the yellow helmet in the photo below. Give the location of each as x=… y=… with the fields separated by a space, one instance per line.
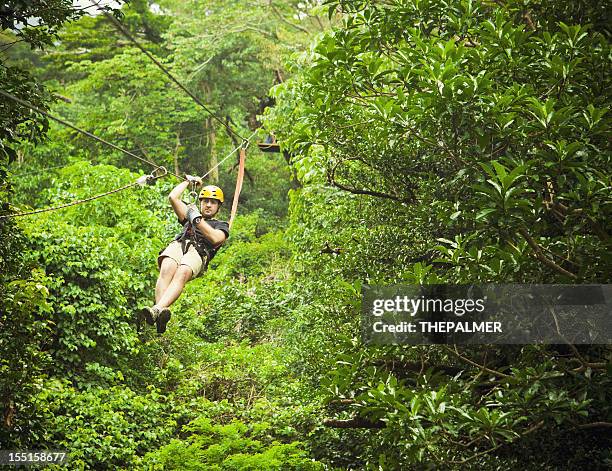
x=211 y=191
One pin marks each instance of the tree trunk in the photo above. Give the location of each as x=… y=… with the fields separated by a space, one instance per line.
x=212 y=139
x=176 y=151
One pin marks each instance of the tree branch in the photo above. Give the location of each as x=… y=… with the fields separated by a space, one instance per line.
x=597 y=228
x=543 y=258
x=485 y=452
x=355 y=422
x=284 y=20
x=585 y=364
x=595 y=425
x=477 y=365
x=332 y=179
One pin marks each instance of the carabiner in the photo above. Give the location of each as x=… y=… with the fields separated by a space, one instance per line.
x=193 y=194
x=159 y=172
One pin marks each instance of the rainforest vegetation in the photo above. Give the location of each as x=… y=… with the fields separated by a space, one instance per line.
x=421 y=142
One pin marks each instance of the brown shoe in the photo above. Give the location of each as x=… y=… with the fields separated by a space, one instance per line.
x=150 y=314
x=162 y=319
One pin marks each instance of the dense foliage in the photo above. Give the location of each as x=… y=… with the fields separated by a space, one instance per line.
x=453 y=142
x=423 y=142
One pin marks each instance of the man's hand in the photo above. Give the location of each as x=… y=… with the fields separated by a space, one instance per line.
x=193 y=179
x=193 y=215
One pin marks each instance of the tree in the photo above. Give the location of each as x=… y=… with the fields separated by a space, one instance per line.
x=25 y=296
x=455 y=142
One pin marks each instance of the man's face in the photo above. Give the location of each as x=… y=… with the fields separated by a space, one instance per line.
x=209 y=207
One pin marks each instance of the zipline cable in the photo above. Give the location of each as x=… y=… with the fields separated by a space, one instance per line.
x=149 y=179
x=185 y=138
x=163 y=146
x=27 y=104
x=129 y=36
x=141 y=181
x=82 y=131
x=245 y=142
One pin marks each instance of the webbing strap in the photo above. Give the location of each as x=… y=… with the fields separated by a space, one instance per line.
x=238 y=185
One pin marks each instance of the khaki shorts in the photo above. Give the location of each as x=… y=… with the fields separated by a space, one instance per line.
x=192 y=258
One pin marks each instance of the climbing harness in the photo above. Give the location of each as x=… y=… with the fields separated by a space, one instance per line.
x=189 y=238
x=159 y=172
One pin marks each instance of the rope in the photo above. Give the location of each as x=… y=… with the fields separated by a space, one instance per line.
x=82 y=131
x=127 y=34
x=149 y=178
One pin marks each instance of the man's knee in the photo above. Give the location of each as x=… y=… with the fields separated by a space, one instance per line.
x=168 y=268
x=183 y=273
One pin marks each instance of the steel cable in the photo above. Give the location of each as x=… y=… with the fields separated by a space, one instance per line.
x=150 y=178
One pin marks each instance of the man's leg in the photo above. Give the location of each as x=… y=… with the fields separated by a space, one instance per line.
x=167 y=271
x=168 y=264
x=181 y=276
x=189 y=267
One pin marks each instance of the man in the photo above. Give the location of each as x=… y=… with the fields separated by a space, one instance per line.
x=189 y=253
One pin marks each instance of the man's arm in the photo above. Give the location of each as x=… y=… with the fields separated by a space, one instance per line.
x=215 y=236
x=178 y=206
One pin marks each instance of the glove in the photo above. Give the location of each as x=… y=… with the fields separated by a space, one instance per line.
x=142 y=181
x=193 y=215
x=192 y=179
x=145 y=180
